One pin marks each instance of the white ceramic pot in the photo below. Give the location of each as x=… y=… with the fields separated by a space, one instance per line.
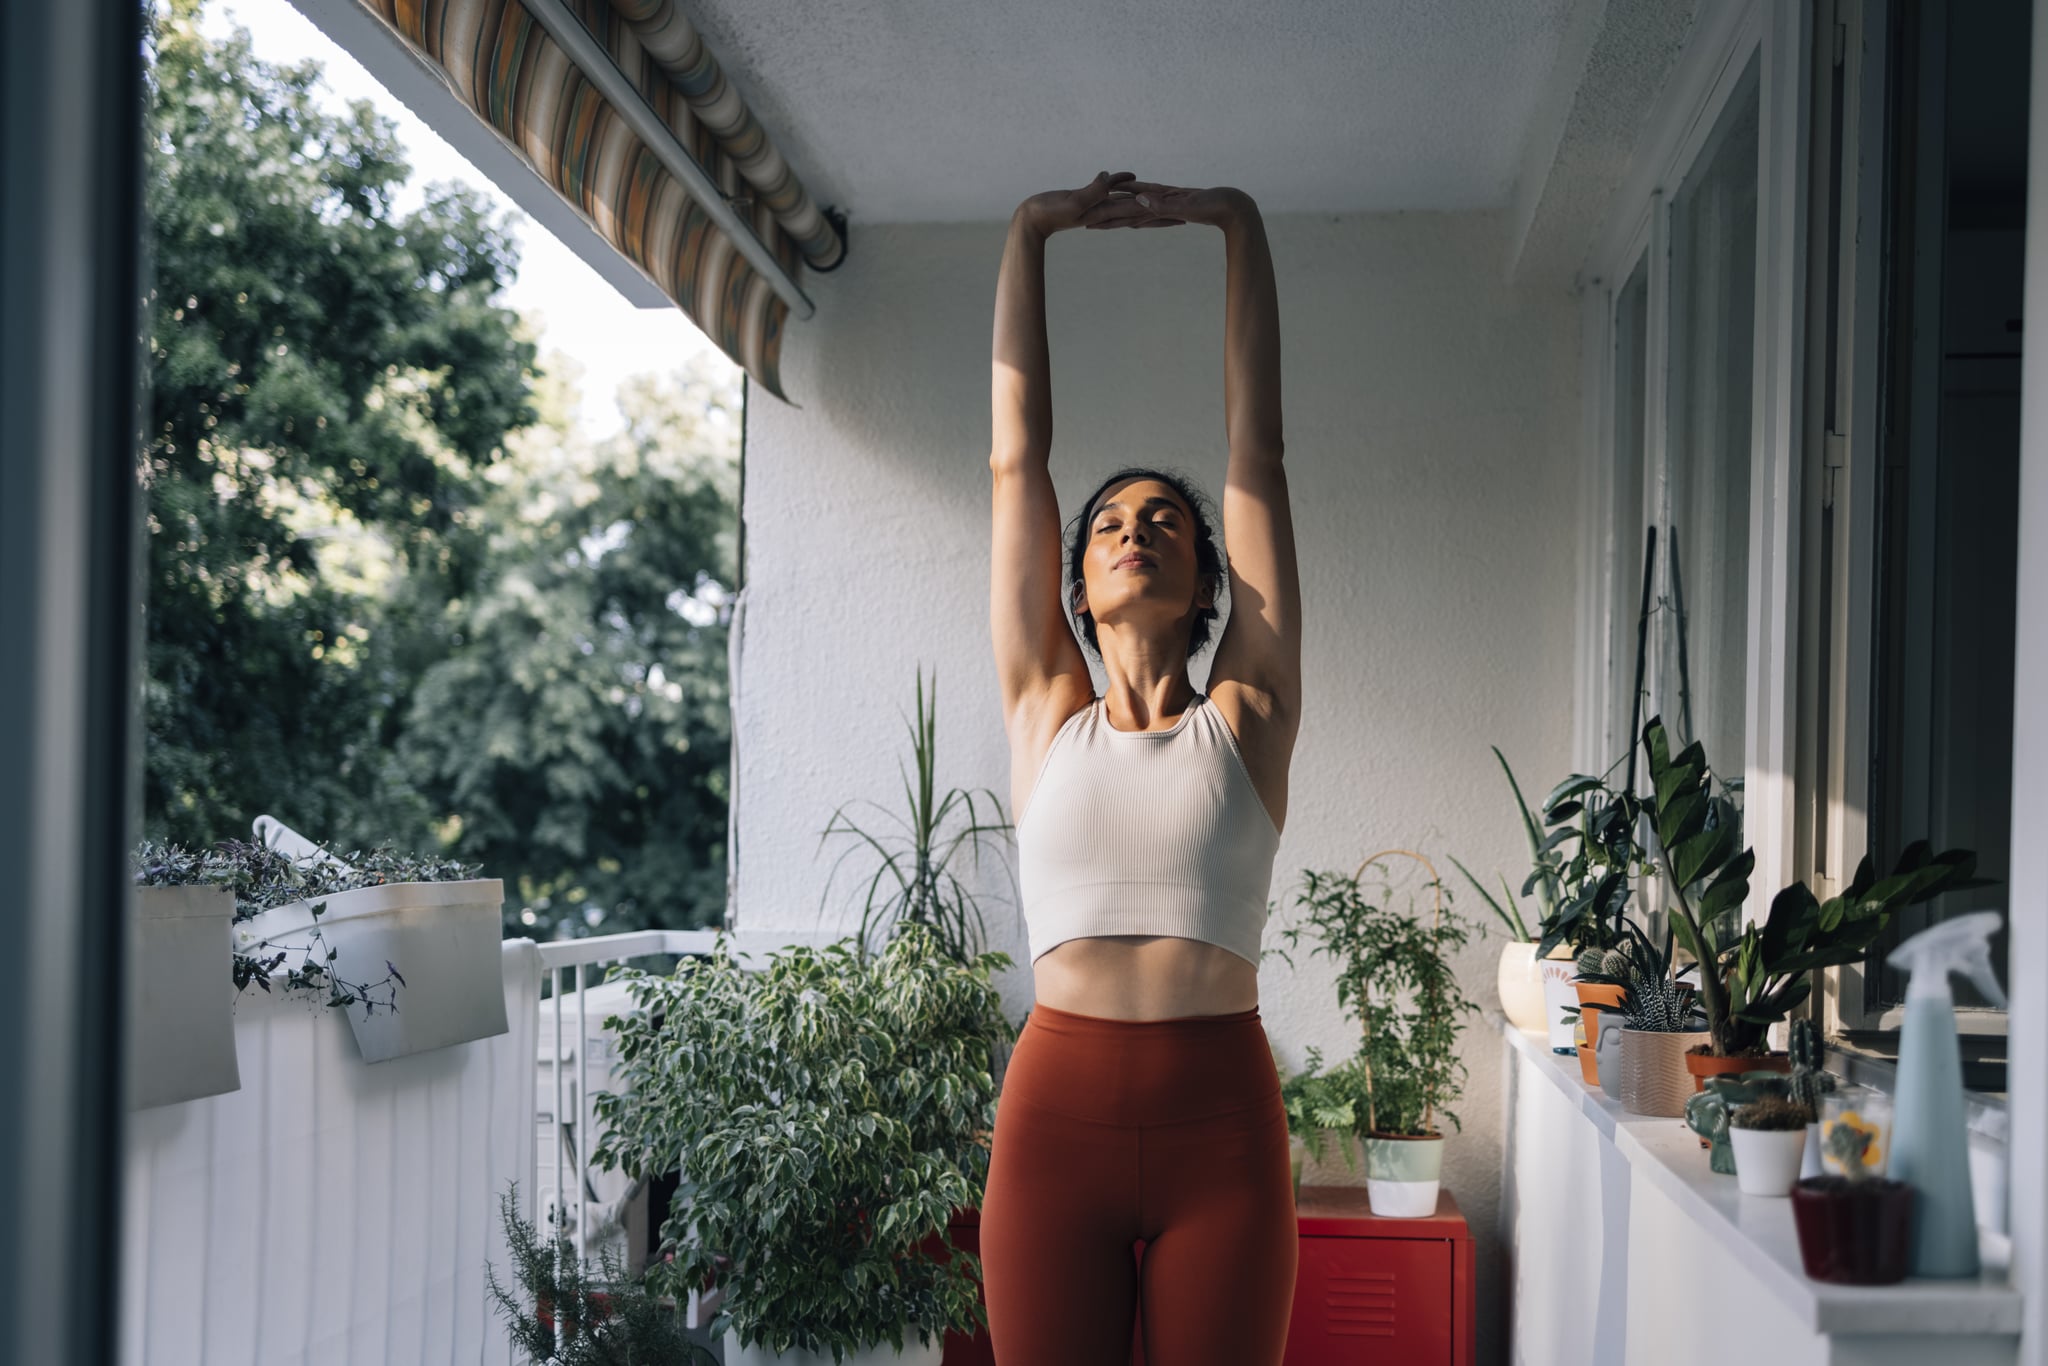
x=1402 y=1175
x=444 y=938
x=1520 y=987
x=1767 y=1160
x=1560 y=996
x=914 y=1353
x=181 y=996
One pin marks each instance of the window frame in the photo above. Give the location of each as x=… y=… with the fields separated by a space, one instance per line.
x=1636 y=228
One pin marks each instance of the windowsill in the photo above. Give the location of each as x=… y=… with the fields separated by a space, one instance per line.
x=1759 y=1232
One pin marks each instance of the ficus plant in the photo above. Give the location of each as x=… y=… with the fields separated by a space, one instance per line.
x=1752 y=976
x=825 y=1115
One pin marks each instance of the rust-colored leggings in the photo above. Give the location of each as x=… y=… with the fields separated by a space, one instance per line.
x=1111 y=1131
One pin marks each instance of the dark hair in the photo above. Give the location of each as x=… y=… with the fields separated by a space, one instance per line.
x=1208 y=555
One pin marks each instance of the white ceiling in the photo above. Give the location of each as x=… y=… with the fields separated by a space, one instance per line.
x=948 y=110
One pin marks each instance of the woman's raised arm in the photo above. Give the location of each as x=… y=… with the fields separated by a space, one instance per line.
x=1036 y=655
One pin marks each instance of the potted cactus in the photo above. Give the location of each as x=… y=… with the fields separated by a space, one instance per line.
x=1810 y=1082
x=1854 y=1229
x=1768 y=1136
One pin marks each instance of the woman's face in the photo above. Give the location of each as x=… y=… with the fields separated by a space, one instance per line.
x=1139 y=570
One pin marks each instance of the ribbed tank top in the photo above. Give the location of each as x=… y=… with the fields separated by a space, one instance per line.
x=1145 y=832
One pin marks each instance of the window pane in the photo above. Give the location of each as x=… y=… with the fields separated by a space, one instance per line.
x=1704 y=551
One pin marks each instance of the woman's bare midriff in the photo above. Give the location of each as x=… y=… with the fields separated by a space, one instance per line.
x=1144 y=977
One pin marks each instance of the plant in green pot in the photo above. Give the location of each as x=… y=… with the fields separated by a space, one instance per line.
x=1396 y=980
x=824 y=1116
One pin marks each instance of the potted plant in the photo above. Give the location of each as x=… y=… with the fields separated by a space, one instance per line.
x=1321 y=1106
x=558 y=1314
x=823 y=1115
x=1580 y=873
x=181 y=1028
x=1395 y=977
x=1709 y=1113
x=1854 y=1229
x=1657 y=1022
x=409 y=947
x=1752 y=975
x=1810 y=1083
x=1769 y=1137
x=913 y=881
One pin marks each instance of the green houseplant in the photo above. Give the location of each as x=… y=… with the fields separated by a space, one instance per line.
x=913 y=881
x=1321 y=1106
x=558 y=1314
x=1583 y=860
x=1645 y=1038
x=1752 y=975
x=826 y=1115
x=1395 y=977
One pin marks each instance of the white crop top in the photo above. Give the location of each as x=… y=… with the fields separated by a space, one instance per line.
x=1145 y=832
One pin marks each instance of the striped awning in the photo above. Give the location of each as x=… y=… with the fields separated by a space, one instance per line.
x=502 y=62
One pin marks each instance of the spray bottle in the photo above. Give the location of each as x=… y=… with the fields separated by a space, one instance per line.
x=1930 y=1128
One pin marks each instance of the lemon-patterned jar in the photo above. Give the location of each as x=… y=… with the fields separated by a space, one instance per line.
x=1860 y=1107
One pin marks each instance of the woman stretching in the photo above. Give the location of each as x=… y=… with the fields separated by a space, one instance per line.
x=1141 y=1101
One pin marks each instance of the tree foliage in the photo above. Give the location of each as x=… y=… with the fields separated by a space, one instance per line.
x=393 y=598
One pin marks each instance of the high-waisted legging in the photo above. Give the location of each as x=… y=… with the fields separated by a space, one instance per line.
x=1111 y=1131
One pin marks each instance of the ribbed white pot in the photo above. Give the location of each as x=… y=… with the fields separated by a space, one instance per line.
x=1767 y=1160
x=914 y=1353
x=181 y=996
x=444 y=938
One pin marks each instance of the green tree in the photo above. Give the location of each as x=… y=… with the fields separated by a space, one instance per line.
x=320 y=365
x=581 y=731
x=394 y=596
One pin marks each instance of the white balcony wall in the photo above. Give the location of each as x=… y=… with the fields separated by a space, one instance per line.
x=331 y=1211
x=1431 y=427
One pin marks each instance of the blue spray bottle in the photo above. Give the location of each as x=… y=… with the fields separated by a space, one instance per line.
x=1930 y=1127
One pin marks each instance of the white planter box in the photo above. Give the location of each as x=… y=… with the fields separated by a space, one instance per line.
x=445 y=939
x=181 y=996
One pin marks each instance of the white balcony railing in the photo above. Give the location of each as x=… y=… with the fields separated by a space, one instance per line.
x=335 y=1212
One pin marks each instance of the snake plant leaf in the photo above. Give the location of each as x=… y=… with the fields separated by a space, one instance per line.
x=1544 y=887
x=1511 y=918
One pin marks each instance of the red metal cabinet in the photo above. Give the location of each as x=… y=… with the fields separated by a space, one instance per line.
x=1390 y=1292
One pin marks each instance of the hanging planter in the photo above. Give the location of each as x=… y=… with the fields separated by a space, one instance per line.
x=181 y=1026
x=438 y=943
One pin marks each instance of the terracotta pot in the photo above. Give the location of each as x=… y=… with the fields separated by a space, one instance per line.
x=1592 y=996
x=1854 y=1232
x=1703 y=1065
x=1653 y=1079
